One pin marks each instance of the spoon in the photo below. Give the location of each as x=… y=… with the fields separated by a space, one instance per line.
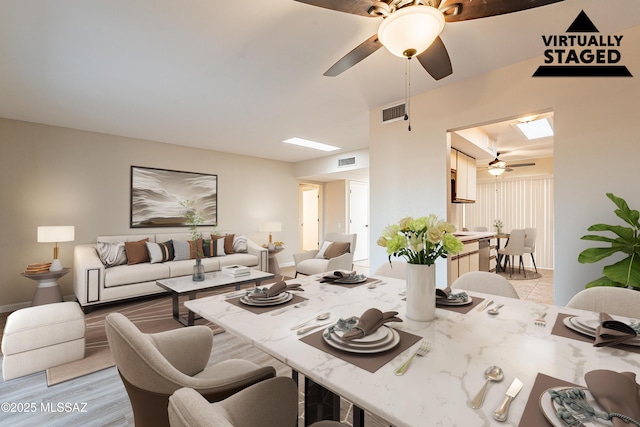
x=494 y=310
x=493 y=373
x=321 y=316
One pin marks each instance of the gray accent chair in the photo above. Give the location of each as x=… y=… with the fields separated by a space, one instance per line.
x=312 y=262
x=153 y=366
x=270 y=403
x=486 y=283
x=608 y=299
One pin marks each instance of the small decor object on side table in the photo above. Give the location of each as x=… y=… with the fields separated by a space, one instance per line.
x=421 y=241
x=194 y=218
x=498 y=225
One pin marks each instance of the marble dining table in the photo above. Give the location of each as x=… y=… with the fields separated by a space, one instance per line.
x=437 y=388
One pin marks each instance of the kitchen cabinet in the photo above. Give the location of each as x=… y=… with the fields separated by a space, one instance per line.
x=465 y=261
x=463 y=177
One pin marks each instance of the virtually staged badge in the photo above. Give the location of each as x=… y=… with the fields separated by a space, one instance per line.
x=581 y=53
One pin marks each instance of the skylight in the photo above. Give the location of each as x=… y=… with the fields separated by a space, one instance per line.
x=536 y=129
x=311 y=144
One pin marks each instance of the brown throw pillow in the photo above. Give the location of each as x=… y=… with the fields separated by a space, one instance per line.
x=216 y=246
x=195 y=249
x=228 y=243
x=136 y=252
x=336 y=249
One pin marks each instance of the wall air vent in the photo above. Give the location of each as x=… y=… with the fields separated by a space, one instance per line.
x=347 y=161
x=395 y=113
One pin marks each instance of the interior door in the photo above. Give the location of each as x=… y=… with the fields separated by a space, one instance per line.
x=310 y=217
x=359 y=218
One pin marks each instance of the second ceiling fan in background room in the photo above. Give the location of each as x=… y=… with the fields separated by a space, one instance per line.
x=411 y=28
x=498 y=167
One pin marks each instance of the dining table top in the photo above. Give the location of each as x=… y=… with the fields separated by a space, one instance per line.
x=437 y=388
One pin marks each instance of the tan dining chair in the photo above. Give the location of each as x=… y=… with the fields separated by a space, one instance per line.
x=480 y=228
x=270 y=403
x=514 y=247
x=153 y=366
x=486 y=283
x=530 y=244
x=335 y=253
x=395 y=269
x=608 y=299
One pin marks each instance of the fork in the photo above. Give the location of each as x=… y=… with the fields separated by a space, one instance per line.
x=540 y=320
x=424 y=348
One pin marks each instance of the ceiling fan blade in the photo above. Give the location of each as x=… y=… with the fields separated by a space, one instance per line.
x=365 y=49
x=355 y=7
x=436 y=60
x=474 y=9
x=520 y=165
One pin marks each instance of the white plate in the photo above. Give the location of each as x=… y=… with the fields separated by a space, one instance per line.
x=379 y=349
x=577 y=325
x=366 y=344
x=249 y=301
x=348 y=281
x=442 y=301
x=274 y=298
x=548 y=408
x=379 y=334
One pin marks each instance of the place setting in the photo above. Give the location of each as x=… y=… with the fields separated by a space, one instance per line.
x=460 y=302
x=365 y=341
x=346 y=278
x=604 y=331
x=608 y=398
x=263 y=299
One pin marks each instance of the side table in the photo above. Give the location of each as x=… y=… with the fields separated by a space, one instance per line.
x=274 y=267
x=47 y=291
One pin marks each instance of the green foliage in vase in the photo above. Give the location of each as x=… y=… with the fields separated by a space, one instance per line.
x=624 y=273
x=194 y=218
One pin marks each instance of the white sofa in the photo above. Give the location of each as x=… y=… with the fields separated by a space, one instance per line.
x=96 y=284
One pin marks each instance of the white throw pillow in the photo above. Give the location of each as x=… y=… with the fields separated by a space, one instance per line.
x=181 y=250
x=155 y=252
x=324 y=247
x=112 y=254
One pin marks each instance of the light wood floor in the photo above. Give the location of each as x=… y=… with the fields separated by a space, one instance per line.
x=106 y=400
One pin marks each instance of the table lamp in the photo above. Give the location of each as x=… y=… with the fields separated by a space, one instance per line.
x=271 y=227
x=56 y=234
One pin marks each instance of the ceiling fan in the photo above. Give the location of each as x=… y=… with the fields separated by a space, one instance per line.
x=498 y=167
x=412 y=27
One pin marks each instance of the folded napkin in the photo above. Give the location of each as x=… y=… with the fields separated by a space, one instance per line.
x=615 y=392
x=275 y=289
x=338 y=274
x=369 y=322
x=612 y=332
x=445 y=293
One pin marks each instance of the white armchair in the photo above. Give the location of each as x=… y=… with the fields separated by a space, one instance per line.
x=323 y=260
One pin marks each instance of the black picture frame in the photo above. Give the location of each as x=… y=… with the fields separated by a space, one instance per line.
x=156 y=195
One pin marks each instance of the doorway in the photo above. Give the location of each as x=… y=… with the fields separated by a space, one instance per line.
x=309 y=216
x=359 y=218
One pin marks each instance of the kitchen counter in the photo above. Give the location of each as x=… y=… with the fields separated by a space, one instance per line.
x=469 y=236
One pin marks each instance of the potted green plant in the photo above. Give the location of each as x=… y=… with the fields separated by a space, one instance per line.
x=624 y=273
x=194 y=218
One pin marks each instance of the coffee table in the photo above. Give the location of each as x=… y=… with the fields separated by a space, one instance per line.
x=186 y=286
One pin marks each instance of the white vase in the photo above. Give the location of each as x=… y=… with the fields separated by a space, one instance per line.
x=421 y=292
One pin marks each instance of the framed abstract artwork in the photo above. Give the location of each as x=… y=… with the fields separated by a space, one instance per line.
x=156 y=195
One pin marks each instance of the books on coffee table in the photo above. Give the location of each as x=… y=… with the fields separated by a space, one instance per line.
x=235 y=270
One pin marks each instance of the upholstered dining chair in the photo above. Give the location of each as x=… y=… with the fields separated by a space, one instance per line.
x=608 y=299
x=530 y=244
x=270 y=403
x=514 y=247
x=395 y=269
x=335 y=253
x=485 y=282
x=153 y=366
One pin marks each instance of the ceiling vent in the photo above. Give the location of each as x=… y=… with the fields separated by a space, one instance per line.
x=394 y=113
x=347 y=161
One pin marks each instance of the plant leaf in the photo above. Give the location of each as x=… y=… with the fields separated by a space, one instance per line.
x=626 y=271
x=624 y=232
x=595 y=254
x=623 y=212
x=603 y=281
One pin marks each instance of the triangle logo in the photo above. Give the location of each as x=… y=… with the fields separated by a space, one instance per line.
x=582 y=24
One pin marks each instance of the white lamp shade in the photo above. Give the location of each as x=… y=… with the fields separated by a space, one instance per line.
x=58 y=233
x=496 y=171
x=410 y=28
x=271 y=226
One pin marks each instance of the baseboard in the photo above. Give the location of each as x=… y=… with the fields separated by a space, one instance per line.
x=17 y=306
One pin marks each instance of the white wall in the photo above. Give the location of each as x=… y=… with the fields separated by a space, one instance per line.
x=596 y=151
x=58 y=176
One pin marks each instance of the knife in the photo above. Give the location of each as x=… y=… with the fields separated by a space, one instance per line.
x=502 y=412
x=485 y=304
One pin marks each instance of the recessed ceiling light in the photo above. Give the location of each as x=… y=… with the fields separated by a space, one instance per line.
x=536 y=129
x=311 y=144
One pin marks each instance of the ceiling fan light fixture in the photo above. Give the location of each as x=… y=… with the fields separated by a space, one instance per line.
x=496 y=171
x=411 y=30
